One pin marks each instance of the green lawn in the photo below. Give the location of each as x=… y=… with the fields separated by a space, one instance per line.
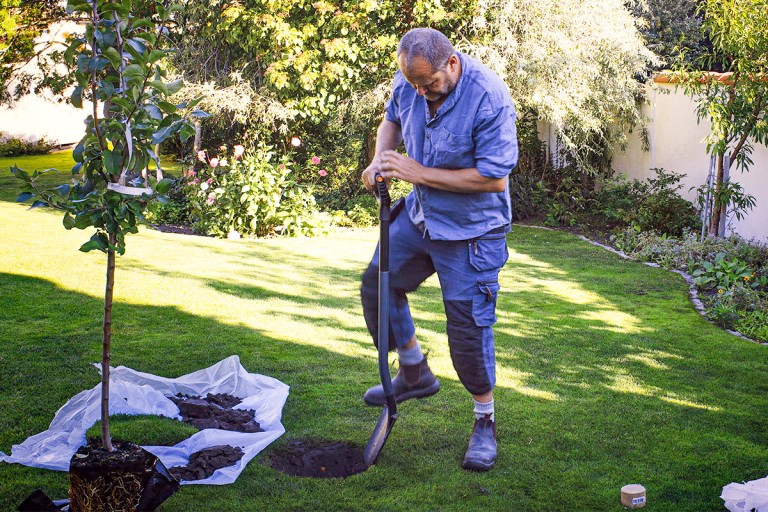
x=606 y=374
x=60 y=160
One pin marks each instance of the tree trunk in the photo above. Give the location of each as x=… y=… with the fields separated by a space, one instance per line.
x=717 y=208
x=106 y=341
x=196 y=143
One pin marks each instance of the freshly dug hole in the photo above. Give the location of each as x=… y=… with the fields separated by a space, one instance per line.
x=317 y=458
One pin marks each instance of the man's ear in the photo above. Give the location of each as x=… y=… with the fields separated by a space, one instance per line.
x=453 y=61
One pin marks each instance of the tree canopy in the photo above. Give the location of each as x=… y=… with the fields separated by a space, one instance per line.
x=574 y=63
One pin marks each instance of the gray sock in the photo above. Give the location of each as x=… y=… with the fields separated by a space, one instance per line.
x=484 y=410
x=410 y=356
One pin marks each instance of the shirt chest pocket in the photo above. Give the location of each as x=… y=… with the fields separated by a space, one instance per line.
x=452 y=151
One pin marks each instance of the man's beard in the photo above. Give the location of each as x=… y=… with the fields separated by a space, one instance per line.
x=447 y=89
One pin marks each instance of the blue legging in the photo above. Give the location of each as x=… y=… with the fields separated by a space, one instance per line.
x=468 y=271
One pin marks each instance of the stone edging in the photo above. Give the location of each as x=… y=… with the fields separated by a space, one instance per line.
x=693 y=293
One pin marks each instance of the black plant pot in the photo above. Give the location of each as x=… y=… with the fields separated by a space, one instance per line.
x=126 y=479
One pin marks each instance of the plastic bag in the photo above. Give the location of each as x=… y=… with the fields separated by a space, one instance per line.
x=133 y=392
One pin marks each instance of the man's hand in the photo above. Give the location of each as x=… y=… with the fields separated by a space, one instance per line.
x=394 y=165
x=369 y=174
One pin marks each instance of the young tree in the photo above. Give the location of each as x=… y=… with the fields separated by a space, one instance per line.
x=118 y=66
x=736 y=102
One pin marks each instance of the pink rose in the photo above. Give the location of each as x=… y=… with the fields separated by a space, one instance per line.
x=209 y=181
x=214 y=162
x=239 y=151
x=211 y=200
x=295 y=142
x=322 y=172
x=223 y=162
x=315 y=160
x=201 y=155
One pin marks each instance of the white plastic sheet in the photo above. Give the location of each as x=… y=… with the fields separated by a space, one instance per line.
x=752 y=495
x=133 y=392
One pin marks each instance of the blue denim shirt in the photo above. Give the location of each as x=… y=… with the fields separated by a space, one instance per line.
x=474 y=127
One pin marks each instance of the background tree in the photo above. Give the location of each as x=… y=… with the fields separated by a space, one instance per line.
x=671 y=29
x=572 y=63
x=118 y=66
x=21 y=22
x=736 y=104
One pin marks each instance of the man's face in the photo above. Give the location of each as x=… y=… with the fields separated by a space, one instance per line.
x=433 y=85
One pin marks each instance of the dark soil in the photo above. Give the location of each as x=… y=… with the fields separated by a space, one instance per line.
x=202 y=464
x=176 y=228
x=215 y=411
x=126 y=479
x=318 y=459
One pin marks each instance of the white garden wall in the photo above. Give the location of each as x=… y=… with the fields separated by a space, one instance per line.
x=34 y=117
x=676 y=144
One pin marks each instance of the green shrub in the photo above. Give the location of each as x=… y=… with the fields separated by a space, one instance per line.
x=18 y=147
x=654 y=205
x=722 y=273
x=252 y=194
x=754 y=324
x=173 y=209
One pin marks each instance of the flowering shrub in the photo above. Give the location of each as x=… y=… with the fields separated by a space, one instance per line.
x=238 y=193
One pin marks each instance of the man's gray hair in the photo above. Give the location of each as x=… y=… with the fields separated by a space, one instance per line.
x=427 y=43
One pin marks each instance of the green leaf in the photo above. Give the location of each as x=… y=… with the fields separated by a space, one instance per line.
x=68 y=221
x=156 y=55
x=38 y=204
x=77 y=97
x=200 y=114
x=22 y=175
x=159 y=86
x=164 y=185
x=148 y=37
x=92 y=245
x=168 y=108
x=83 y=220
x=175 y=86
x=109 y=162
x=77 y=154
x=69 y=53
x=113 y=56
x=24 y=197
x=134 y=70
x=162 y=134
x=63 y=190
x=137 y=46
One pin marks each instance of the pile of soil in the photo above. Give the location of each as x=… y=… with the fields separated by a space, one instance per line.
x=216 y=411
x=213 y=411
x=318 y=459
x=202 y=464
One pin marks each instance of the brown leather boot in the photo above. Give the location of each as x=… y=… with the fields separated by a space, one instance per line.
x=481 y=452
x=411 y=381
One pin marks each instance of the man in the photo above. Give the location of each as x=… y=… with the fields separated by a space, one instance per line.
x=457 y=121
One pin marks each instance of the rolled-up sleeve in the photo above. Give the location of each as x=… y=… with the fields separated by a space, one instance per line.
x=495 y=137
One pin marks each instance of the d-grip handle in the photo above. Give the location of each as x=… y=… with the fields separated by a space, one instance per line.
x=382 y=192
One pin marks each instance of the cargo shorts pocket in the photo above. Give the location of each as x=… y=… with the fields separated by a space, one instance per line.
x=488 y=253
x=484 y=303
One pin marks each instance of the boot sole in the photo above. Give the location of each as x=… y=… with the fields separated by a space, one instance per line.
x=417 y=393
x=477 y=465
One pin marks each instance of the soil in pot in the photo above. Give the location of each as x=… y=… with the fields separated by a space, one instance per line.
x=318 y=459
x=126 y=479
